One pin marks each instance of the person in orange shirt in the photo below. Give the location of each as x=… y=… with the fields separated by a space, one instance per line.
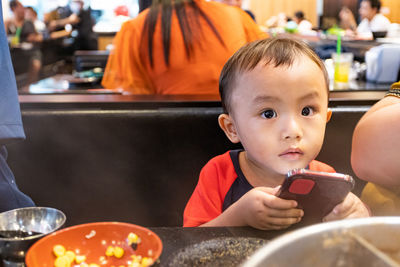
x=180 y=51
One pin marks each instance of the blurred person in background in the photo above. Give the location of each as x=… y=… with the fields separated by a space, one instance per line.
x=24 y=32
x=31 y=14
x=177 y=47
x=371 y=20
x=21 y=25
x=303 y=25
x=11 y=129
x=74 y=19
x=347 y=20
x=278 y=21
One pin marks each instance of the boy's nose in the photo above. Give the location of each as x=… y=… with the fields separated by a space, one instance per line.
x=292 y=129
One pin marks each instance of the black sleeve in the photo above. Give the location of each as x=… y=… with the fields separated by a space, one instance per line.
x=27 y=29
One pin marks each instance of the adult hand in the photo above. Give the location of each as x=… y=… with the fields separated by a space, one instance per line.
x=52 y=25
x=73 y=19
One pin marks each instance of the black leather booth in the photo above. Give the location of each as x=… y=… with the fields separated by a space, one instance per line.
x=137 y=166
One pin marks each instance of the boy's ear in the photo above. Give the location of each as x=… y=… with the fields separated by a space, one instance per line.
x=328 y=115
x=228 y=126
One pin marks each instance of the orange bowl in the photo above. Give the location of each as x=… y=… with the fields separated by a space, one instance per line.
x=92 y=240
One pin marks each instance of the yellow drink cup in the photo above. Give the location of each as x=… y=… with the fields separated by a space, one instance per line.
x=342 y=63
x=342 y=70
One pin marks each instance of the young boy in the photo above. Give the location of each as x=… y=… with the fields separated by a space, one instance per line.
x=275 y=98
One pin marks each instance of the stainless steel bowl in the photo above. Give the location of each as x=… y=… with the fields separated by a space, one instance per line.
x=20 y=228
x=356 y=242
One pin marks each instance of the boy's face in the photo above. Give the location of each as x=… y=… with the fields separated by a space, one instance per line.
x=279 y=115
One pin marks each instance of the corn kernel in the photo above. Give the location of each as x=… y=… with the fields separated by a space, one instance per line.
x=80 y=258
x=118 y=252
x=94 y=265
x=59 y=250
x=62 y=261
x=71 y=255
x=83 y=264
x=136 y=258
x=135 y=264
x=102 y=259
x=132 y=238
x=110 y=251
x=147 y=261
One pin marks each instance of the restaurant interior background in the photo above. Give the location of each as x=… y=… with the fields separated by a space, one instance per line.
x=108 y=17
x=99 y=155
x=102 y=10
x=263 y=9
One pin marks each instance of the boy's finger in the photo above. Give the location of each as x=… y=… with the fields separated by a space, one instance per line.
x=342 y=209
x=276 y=190
x=289 y=213
x=268 y=190
x=274 y=202
x=330 y=217
x=283 y=222
x=336 y=214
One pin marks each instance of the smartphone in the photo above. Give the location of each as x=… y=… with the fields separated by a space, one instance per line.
x=317 y=193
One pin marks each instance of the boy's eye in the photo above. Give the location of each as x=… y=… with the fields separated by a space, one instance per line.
x=269 y=114
x=307 y=111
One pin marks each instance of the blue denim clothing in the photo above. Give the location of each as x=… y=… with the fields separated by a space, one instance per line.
x=11 y=128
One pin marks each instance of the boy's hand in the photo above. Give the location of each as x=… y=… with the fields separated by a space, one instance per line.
x=351 y=207
x=261 y=209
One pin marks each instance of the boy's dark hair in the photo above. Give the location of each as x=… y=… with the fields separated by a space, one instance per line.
x=13 y=4
x=375 y=4
x=274 y=51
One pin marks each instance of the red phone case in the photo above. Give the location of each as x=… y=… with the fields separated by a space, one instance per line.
x=317 y=193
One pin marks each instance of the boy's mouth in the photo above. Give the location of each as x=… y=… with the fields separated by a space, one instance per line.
x=292 y=153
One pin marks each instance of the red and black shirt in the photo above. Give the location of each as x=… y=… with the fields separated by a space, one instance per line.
x=221 y=184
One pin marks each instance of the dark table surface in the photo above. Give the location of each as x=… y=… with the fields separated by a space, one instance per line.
x=118 y=101
x=357 y=47
x=357 y=85
x=175 y=239
x=55 y=92
x=68 y=84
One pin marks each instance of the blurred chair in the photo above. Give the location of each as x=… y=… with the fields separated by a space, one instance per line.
x=383 y=63
x=90 y=59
